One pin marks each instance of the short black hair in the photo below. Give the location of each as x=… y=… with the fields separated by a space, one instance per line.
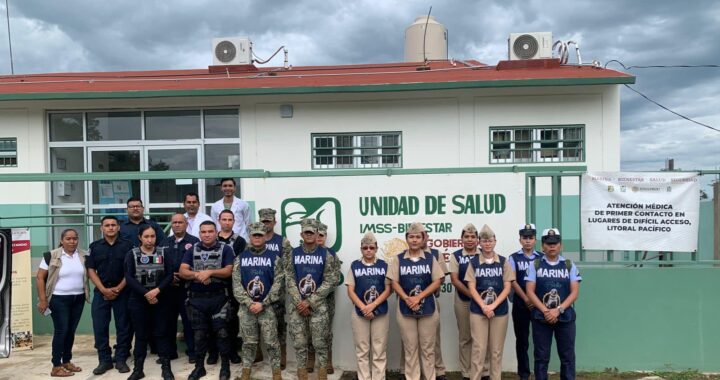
x=134 y=199
x=228 y=179
x=226 y=212
x=208 y=223
x=108 y=217
x=191 y=194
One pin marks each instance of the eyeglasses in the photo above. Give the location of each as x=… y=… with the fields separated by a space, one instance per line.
x=367 y=247
x=135 y=206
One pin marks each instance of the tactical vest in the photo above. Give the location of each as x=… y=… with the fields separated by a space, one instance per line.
x=275 y=245
x=552 y=287
x=149 y=269
x=309 y=269
x=521 y=266
x=489 y=284
x=463 y=262
x=414 y=278
x=257 y=272
x=370 y=283
x=206 y=260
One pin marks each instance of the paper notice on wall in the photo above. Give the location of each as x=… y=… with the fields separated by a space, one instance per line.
x=640 y=211
x=21 y=319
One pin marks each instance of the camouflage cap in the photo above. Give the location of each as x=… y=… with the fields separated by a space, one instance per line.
x=309 y=225
x=470 y=228
x=486 y=232
x=257 y=228
x=322 y=228
x=267 y=214
x=416 y=228
x=368 y=238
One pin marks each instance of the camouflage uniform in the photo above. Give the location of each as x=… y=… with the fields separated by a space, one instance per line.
x=252 y=325
x=315 y=326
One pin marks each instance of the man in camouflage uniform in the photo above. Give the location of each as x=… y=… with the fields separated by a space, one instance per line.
x=281 y=247
x=257 y=280
x=310 y=267
x=322 y=237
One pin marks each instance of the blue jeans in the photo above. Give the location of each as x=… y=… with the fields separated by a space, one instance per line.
x=101 y=310
x=542 y=338
x=66 y=313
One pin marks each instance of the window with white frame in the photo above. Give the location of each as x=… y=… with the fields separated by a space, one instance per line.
x=8 y=152
x=356 y=150
x=537 y=144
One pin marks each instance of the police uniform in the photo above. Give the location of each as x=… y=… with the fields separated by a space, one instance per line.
x=310 y=276
x=417 y=328
x=129 y=231
x=108 y=261
x=257 y=278
x=553 y=281
x=177 y=294
x=488 y=277
x=208 y=305
x=280 y=246
x=457 y=266
x=369 y=281
x=519 y=262
x=143 y=273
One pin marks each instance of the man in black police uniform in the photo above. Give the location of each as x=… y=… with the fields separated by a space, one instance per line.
x=209 y=267
x=176 y=246
x=136 y=217
x=226 y=219
x=105 y=267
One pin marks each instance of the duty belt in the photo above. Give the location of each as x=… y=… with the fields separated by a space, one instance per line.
x=209 y=294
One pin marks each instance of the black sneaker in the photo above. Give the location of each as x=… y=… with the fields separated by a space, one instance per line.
x=212 y=358
x=234 y=358
x=441 y=377
x=197 y=373
x=485 y=378
x=191 y=359
x=102 y=368
x=122 y=367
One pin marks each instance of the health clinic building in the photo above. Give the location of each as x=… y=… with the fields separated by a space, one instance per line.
x=316 y=122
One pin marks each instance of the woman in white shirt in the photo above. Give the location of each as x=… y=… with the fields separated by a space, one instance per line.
x=62 y=292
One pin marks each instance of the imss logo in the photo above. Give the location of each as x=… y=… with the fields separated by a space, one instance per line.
x=326 y=210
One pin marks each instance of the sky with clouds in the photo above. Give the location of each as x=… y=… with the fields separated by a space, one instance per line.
x=75 y=35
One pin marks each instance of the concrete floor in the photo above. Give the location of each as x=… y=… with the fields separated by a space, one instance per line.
x=35 y=364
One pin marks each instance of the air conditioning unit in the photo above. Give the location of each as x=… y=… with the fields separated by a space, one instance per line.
x=530 y=46
x=232 y=51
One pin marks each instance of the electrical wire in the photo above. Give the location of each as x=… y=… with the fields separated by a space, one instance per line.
x=671 y=111
x=261 y=61
x=712 y=66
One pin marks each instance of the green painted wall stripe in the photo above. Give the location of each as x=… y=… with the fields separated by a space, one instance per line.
x=319 y=90
x=259 y=173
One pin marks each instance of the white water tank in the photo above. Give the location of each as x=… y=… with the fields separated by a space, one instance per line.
x=435 y=40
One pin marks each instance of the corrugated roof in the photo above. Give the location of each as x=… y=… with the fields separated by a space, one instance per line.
x=249 y=80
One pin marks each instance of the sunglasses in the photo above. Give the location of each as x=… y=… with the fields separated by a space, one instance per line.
x=367 y=247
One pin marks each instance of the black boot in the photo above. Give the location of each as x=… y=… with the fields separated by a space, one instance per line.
x=198 y=372
x=165 y=368
x=224 y=368
x=137 y=372
x=212 y=357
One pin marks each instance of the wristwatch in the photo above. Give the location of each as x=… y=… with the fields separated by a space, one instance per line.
x=561 y=309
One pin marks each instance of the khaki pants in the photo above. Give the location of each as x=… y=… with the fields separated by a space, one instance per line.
x=418 y=336
x=462 y=315
x=488 y=336
x=371 y=336
x=439 y=363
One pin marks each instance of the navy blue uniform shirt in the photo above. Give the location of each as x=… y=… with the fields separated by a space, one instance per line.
x=129 y=231
x=228 y=256
x=108 y=260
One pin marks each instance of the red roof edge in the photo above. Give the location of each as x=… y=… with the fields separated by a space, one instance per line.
x=553 y=63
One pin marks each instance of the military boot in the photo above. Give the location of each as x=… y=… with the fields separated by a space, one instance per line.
x=224 y=368
x=277 y=374
x=329 y=367
x=310 y=365
x=302 y=374
x=322 y=374
x=165 y=368
x=137 y=372
x=245 y=374
x=199 y=371
x=283 y=356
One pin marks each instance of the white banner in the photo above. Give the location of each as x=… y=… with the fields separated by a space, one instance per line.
x=640 y=211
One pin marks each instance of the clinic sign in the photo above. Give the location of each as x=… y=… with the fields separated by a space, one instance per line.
x=387 y=205
x=640 y=211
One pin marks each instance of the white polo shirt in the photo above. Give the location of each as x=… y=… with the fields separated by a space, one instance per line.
x=240 y=209
x=70 y=278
